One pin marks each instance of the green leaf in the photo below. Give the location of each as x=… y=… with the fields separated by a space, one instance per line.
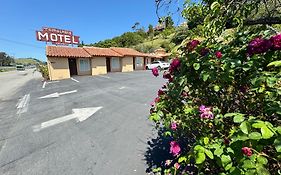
x=209 y=154
x=238 y=119
x=218 y=152
x=262 y=171
x=251 y=172
x=216 y=88
x=199 y=148
x=262 y=160
x=230 y=114
x=205 y=77
x=215 y=5
x=226 y=160
x=196 y=66
x=182 y=159
x=258 y=125
x=206 y=140
x=200 y=158
x=278 y=129
x=230 y=150
x=244 y=127
x=168 y=133
x=275 y=64
x=255 y=136
x=248 y=164
x=266 y=133
x=277 y=144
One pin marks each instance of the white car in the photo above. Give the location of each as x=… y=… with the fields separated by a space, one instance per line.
x=158 y=64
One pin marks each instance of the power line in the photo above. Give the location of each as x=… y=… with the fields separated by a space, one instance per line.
x=21 y=43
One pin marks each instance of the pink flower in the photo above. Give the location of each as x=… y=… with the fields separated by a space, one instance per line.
x=206 y=112
x=177 y=166
x=174 y=126
x=171 y=79
x=204 y=51
x=258 y=46
x=166 y=75
x=175 y=148
x=184 y=94
x=152 y=104
x=192 y=45
x=155 y=72
x=168 y=162
x=276 y=42
x=160 y=92
x=175 y=64
x=247 y=151
x=218 y=54
x=157 y=99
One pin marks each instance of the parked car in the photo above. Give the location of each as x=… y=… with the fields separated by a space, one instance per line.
x=158 y=64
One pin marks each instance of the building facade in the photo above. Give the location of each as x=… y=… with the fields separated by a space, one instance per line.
x=64 y=62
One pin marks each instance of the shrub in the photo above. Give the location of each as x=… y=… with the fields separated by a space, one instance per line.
x=222 y=106
x=43 y=69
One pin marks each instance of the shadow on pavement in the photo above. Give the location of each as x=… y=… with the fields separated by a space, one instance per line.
x=158 y=151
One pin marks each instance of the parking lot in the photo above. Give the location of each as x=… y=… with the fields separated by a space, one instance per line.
x=84 y=125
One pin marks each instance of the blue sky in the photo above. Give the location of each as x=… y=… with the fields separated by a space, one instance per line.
x=92 y=20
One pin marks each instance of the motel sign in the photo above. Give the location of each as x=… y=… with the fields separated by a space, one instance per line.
x=57 y=36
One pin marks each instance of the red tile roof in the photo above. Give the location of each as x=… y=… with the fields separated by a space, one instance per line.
x=127 y=51
x=87 y=52
x=73 y=52
x=105 y=52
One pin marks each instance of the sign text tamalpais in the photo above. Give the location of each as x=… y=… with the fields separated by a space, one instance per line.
x=57 y=36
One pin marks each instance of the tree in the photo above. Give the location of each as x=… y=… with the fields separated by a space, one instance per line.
x=5 y=59
x=169 y=23
x=150 y=30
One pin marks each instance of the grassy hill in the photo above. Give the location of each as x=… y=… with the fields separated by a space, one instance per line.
x=27 y=61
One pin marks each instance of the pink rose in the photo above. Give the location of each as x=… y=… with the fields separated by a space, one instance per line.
x=218 y=54
x=247 y=151
x=174 y=126
x=177 y=166
x=174 y=148
x=155 y=72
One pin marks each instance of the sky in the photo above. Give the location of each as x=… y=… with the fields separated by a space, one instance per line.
x=92 y=20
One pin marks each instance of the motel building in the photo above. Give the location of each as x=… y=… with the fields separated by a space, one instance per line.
x=64 y=62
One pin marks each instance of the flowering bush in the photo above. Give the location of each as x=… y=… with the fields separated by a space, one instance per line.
x=222 y=106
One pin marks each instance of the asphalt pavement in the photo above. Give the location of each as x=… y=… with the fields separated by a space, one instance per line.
x=86 y=125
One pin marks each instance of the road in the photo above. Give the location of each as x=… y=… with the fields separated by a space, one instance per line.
x=11 y=81
x=46 y=136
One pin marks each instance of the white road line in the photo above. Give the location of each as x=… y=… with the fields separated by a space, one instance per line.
x=74 y=80
x=56 y=94
x=103 y=76
x=50 y=82
x=68 y=92
x=44 y=85
x=23 y=104
x=123 y=87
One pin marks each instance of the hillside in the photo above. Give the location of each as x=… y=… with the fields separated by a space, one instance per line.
x=27 y=61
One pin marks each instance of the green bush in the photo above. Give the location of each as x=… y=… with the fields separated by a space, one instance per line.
x=43 y=69
x=226 y=99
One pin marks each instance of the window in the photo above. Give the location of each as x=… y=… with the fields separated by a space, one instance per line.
x=139 y=61
x=85 y=65
x=115 y=63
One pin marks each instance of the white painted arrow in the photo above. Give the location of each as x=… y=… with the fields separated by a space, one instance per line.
x=79 y=114
x=56 y=95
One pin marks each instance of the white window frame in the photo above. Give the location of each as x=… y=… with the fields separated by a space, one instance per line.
x=84 y=64
x=115 y=63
